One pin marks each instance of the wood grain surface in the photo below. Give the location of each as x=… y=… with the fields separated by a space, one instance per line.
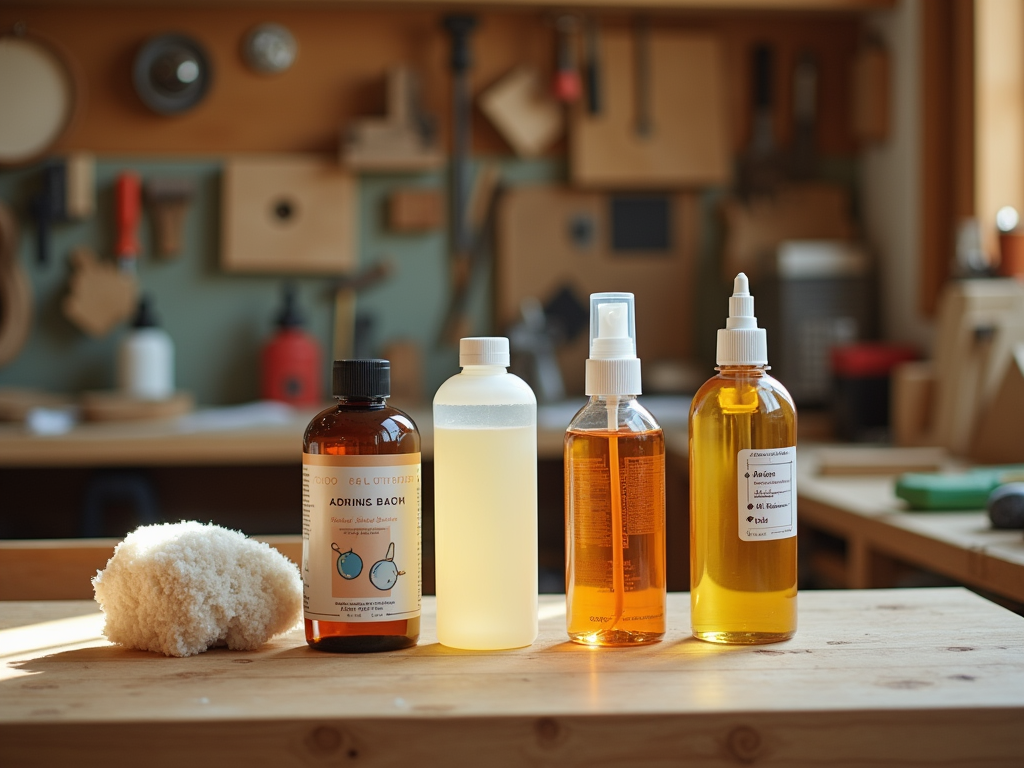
x=884 y=677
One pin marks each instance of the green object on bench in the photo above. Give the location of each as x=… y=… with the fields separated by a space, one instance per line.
x=961 y=491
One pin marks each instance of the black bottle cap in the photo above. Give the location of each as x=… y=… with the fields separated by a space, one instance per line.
x=362 y=378
x=289 y=316
x=144 y=316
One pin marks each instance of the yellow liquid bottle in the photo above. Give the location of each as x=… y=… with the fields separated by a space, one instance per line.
x=743 y=544
x=614 y=453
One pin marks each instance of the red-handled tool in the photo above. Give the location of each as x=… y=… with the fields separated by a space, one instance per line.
x=567 y=85
x=128 y=194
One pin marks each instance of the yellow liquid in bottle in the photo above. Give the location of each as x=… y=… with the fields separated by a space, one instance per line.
x=615 y=537
x=740 y=591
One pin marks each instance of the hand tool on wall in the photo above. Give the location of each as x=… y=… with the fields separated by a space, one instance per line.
x=592 y=68
x=169 y=200
x=48 y=207
x=758 y=172
x=802 y=161
x=128 y=208
x=345 y=291
x=524 y=111
x=403 y=140
x=15 y=291
x=460 y=27
x=482 y=206
x=567 y=86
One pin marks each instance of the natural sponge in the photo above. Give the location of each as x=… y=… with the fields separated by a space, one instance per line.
x=181 y=588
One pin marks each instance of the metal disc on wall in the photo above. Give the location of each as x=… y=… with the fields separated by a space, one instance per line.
x=171 y=73
x=38 y=90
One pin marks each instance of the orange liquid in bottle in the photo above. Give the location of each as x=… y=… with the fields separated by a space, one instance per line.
x=615 y=536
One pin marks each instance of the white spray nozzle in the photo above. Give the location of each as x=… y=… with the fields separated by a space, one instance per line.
x=741 y=342
x=613 y=367
x=612 y=326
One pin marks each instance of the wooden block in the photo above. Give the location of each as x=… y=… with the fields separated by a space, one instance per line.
x=523 y=111
x=100 y=295
x=999 y=438
x=81 y=185
x=871 y=460
x=910 y=402
x=688 y=141
x=979 y=324
x=115 y=406
x=415 y=210
x=287 y=214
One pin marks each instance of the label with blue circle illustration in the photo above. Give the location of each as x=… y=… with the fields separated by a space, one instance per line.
x=766 y=493
x=361 y=532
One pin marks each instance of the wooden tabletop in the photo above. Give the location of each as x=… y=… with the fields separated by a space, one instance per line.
x=868 y=515
x=881 y=677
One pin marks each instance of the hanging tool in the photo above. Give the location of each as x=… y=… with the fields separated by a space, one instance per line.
x=345 y=291
x=758 y=172
x=169 y=200
x=482 y=207
x=460 y=27
x=592 y=70
x=128 y=190
x=49 y=207
x=567 y=85
x=803 y=163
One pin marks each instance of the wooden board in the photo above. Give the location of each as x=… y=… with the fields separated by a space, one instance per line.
x=287 y=214
x=999 y=438
x=687 y=144
x=117 y=406
x=537 y=256
x=893 y=677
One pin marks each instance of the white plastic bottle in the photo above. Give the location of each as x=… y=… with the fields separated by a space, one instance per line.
x=485 y=502
x=146 y=358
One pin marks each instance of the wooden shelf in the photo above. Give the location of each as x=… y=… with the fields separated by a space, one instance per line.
x=602 y=5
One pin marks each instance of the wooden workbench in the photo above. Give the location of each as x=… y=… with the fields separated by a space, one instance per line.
x=881 y=532
x=881 y=677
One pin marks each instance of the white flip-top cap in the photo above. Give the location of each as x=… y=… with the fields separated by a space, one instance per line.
x=741 y=342
x=484 y=350
x=613 y=367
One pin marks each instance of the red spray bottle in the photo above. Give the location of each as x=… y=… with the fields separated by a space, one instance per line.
x=291 y=359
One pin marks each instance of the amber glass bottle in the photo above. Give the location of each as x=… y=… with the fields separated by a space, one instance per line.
x=362 y=508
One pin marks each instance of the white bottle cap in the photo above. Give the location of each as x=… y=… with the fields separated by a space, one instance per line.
x=741 y=342
x=484 y=350
x=613 y=367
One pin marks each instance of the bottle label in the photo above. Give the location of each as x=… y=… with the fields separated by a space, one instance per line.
x=361 y=533
x=766 y=492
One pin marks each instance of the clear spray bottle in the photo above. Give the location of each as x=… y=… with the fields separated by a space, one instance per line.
x=742 y=491
x=614 y=493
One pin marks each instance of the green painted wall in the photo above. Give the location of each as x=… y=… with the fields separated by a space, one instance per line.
x=219 y=321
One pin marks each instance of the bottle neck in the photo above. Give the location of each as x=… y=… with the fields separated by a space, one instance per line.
x=748 y=371
x=484 y=370
x=360 y=401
